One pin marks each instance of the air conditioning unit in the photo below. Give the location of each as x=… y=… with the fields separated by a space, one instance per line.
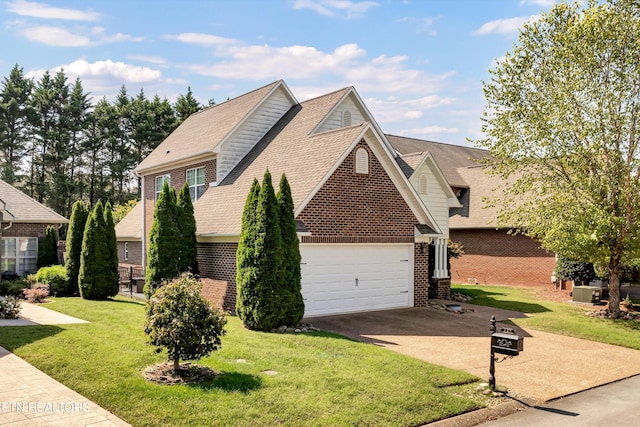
x=588 y=294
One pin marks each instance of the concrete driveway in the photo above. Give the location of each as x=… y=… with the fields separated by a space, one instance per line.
x=550 y=366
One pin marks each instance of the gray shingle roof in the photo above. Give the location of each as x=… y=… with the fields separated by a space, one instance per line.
x=130 y=227
x=23 y=209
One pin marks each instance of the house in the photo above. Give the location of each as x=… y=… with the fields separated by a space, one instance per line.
x=364 y=230
x=129 y=238
x=492 y=256
x=23 y=221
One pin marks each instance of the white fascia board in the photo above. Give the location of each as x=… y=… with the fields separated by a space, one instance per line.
x=431 y=163
x=202 y=156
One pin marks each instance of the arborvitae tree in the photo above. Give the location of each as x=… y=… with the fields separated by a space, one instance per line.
x=188 y=260
x=75 y=234
x=292 y=303
x=246 y=297
x=266 y=313
x=48 y=250
x=95 y=279
x=112 y=242
x=163 y=238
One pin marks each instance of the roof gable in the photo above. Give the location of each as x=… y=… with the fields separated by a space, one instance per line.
x=202 y=132
x=20 y=208
x=414 y=163
x=130 y=227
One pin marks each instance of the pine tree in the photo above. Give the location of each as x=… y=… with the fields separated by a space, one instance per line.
x=95 y=278
x=75 y=234
x=163 y=250
x=246 y=297
x=112 y=243
x=188 y=260
x=292 y=303
x=48 y=250
x=186 y=105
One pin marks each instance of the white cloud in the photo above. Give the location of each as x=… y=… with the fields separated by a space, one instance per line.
x=430 y=132
x=394 y=109
x=422 y=25
x=157 y=60
x=352 y=9
x=542 y=3
x=72 y=37
x=201 y=39
x=44 y=11
x=502 y=26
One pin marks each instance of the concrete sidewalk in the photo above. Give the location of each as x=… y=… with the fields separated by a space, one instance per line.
x=29 y=397
x=550 y=366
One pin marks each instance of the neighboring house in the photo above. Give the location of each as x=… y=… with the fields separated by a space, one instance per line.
x=364 y=229
x=23 y=222
x=129 y=236
x=491 y=255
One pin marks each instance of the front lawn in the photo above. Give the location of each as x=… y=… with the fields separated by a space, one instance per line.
x=556 y=317
x=322 y=379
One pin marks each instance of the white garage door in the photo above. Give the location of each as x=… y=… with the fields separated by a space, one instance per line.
x=351 y=278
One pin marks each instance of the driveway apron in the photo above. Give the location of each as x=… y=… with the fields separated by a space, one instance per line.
x=550 y=366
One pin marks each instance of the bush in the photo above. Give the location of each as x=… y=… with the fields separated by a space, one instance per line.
x=180 y=320
x=9 y=307
x=577 y=271
x=56 y=277
x=13 y=288
x=35 y=295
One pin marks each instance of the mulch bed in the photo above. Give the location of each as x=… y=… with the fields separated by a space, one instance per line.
x=188 y=373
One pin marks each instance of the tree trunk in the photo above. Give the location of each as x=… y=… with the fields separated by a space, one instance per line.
x=615 y=266
x=176 y=364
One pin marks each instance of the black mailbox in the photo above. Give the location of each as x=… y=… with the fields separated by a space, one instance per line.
x=508 y=344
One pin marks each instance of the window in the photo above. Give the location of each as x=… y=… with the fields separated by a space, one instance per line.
x=422 y=184
x=160 y=180
x=126 y=251
x=19 y=254
x=346 y=118
x=362 y=161
x=195 y=179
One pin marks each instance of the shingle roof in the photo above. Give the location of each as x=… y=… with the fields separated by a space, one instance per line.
x=219 y=210
x=448 y=157
x=130 y=227
x=204 y=130
x=24 y=209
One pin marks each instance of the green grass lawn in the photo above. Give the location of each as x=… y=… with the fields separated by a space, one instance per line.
x=322 y=379
x=556 y=317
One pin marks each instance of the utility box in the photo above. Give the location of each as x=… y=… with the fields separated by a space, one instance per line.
x=588 y=294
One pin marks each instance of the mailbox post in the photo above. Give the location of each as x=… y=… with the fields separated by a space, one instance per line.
x=504 y=342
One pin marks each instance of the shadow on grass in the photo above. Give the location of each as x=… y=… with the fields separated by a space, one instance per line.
x=232 y=382
x=488 y=299
x=14 y=337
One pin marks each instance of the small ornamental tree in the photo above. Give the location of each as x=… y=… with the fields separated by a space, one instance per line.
x=292 y=303
x=95 y=279
x=112 y=244
x=246 y=296
x=188 y=260
x=163 y=242
x=180 y=320
x=75 y=234
x=577 y=271
x=48 y=250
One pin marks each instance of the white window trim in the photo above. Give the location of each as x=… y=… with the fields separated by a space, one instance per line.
x=362 y=161
x=19 y=260
x=195 y=187
x=126 y=251
x=165 y=177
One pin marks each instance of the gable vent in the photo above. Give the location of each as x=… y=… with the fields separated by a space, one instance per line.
x=422 y=184
x=346 y=118
x=362 y=161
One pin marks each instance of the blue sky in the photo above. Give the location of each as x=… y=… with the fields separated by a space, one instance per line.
x=417 y=64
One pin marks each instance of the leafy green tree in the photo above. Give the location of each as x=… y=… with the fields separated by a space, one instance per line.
x=292 y=304
x=188 y=259
x=15 y=115
x=577 y=271
x=246 y=296
x=112 y=242
x=121 y=210
x=264 y=311
x=180 y=320
x=96 y=278
x=48 y=250
x=561 y=123
x=75 y=235
x=164 y=252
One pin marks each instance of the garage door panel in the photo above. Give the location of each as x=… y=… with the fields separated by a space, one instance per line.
x=329 y=274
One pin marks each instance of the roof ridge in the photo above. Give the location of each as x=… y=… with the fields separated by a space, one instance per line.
x=345 y=128
x=437 y=142
x=211 y=107
x=326 y=94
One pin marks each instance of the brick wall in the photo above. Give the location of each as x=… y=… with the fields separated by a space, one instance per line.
x=494 y=257
x=178 y=178
x=135 y=253
x=25 y=230
x=420 y=275
x=217 y=264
